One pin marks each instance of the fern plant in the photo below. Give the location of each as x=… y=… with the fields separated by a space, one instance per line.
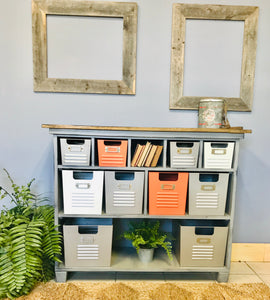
x=29 y=241
x=147 y=235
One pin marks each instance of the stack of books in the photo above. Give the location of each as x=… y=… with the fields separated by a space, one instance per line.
x=146 y=155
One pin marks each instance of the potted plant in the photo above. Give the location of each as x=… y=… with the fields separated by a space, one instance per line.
x=145 y=237
x=29 y=241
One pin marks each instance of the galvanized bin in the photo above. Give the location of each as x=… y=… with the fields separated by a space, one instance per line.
x=184 y=154
x=124 y=192
x=75 y=152
x=207 y=193
x=218 y=155
x=202 y=245
x=87 y=245
x=82 y=192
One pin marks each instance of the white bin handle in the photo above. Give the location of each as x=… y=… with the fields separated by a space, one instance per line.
x=83 y=185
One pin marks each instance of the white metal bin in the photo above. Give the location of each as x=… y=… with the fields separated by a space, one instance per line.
x=207 y=193
x=218 y=155
x=124 y=192
x=87 y=245
x=75 y=152
x=82 y=192
x=203 y=246
x=184 y=154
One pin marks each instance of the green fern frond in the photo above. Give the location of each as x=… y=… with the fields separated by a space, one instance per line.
x=47 y=269
x=22 y=259
x=51 y=242
x=29 y=242
x=51 y=237
x=6 y=273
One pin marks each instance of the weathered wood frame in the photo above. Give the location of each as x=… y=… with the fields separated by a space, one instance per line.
x=127 y=11
x=181 y=12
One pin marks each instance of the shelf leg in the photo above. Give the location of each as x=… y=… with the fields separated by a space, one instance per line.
x=223 y=277
x=61 y=276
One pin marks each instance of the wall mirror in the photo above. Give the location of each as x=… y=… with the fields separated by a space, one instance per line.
x=48 y=76
x=248 y=15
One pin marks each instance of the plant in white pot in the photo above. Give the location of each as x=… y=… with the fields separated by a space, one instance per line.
x=145 y=237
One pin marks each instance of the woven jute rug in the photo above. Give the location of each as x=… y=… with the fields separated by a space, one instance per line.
x=148 y=290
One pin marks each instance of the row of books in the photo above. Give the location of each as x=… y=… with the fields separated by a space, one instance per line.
x=146 y=155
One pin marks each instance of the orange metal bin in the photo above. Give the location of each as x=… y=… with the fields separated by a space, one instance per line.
x=112 y=153
x=167 y=193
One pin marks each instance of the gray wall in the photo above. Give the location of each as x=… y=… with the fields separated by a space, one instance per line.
x=26 y=148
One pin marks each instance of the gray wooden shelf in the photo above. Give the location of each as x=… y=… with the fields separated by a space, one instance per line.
x=149 y=169
x=125 y=260
x=146 y=216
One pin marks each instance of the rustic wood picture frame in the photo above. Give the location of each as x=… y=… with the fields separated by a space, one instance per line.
x=181 y=12
x=127 y=11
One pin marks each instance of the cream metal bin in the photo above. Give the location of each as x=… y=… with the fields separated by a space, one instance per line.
x=87 y=245
x=202 y=245
x=218 y=155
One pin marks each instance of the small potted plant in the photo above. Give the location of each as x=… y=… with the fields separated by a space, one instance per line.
x=145 y=237
x=29 y=241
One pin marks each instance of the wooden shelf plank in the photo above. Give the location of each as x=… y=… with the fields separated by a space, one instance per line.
x=239 y=130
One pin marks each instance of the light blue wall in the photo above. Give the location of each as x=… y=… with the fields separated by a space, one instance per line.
x=26 y=148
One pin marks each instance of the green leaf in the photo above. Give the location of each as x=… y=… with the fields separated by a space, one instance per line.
x=29 y=241
x=147 y=234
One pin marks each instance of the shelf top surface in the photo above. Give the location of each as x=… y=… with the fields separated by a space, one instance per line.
x=233 y=130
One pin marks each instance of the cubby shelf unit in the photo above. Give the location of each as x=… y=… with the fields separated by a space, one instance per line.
x=124 y=259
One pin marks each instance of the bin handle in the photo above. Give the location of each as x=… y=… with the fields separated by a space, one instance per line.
x=184 y=151
x=113 y=149
x=75 y=148
x=219 y=151
x=203 y=231
x=75 y=142
x=83 y=185
x=168 y=186
x=203 y=240
x=88 y=229
x=124 y=186
x=208 y=187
